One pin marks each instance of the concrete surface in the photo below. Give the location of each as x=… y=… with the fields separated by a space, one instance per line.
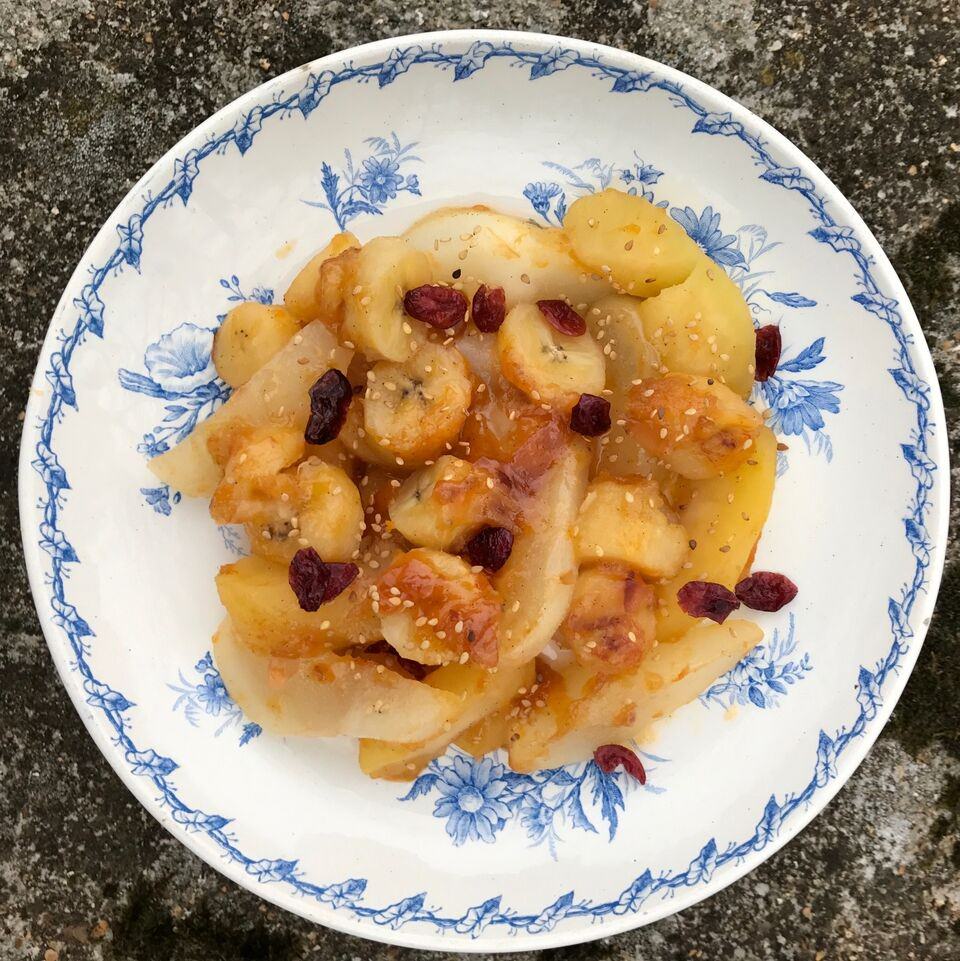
x=91 y=93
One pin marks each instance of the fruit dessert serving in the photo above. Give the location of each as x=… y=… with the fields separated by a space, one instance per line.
x=502 y=485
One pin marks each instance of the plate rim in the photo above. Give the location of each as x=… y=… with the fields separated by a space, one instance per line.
x=433 y=939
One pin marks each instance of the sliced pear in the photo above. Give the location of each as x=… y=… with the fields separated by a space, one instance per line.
x=277 y=394
x=330 y=695
x=529 y=262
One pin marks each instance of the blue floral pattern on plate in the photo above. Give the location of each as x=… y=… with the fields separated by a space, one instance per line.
x=369 y=187
x=348 y=895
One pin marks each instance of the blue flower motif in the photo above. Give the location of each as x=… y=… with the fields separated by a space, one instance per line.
x=540 y=194
x=413 y=184
x=212 y=694
x=537 y=820
x=706 y=233
x=179 y=362
x=471 y=799
x=648 y=174
x=379 y=179
x=797 y=404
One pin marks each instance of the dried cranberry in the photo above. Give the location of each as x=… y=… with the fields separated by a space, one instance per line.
x=315 y=582
x=490 y=548
x=489 y=308
x=590 y=416
x=609 y=757
x=769 y=345
x=330 y=400
x=766 y=591
x=436 y=305
x=706 y=599
x=562 y=316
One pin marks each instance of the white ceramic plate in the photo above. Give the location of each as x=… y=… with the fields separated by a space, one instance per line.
x=477 y=858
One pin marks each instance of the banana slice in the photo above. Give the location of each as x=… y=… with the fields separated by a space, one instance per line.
x=627 y=520
x=248 y=337
x=374 y=320
x=304 y=295
x=435 y=609
x=443 y=505
x=411 y=411
x=476 y=246
x=698 y=427
x=626 y=238
x=549 y=367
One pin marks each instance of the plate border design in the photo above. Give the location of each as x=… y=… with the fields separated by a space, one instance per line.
x=347 y=896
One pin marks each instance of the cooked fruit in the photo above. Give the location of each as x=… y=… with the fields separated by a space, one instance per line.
x=277 y=395
x=267 y=617
x=611 y=622
x=374 y=319
x=698 y=427
x=248 y=337
x=443 y=505
x=434 y=608
x=630 y=241
x=626 y=519
x=536 y=583
x=308 y=296
x=548 y=366
x=577 y=716
x=703 y=326
x=329 y=695
x=475 y=245
x=411 y=411
x=477 y=692
x=723 y=517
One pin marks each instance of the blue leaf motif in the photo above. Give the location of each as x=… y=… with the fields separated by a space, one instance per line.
x=347 y=892
x=353 y=208
x=267 y=870
x=839 y=238
x=477 y=918
x=826 y=759
x=550 y=916
x=60 y=380
x=915 y=389
x=876 y=303
x=921 y=466
x=608 y=793
x=249 y=732
x=49 y=469
x=421 y=786
x=868 y=694
x=807 y=359
x=756 y=696
x=703 y=865
x=201 y=821
x=91 y=307
x=791 y=299
x=184 y=173
x=633 y=897
x=718 y=123
x=67 y=617
x=473 y=60
x=552 y=61
x=632 y=80
x=769 y=826
x=56 y=545
x=247 y=127
x=398 y=914
x=149 y=762
x=131 y=240
x=399 y=61
x=315 y=89
x=789 y=177
x=916 y=535
x=898 y=620
x=103 y=696
x=578 y=817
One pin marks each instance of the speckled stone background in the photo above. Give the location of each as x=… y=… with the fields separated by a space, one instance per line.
x=91 y=93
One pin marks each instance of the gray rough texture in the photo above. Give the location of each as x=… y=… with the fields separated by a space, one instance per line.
x=91 y=93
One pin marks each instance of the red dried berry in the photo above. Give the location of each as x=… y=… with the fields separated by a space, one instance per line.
x=706 y=599
x=489 y=308
x=315 y=582
x=769 y=346
x=590 y=416
x=766 y=591
x=490 y=548
x=330 y=400
x=436 y=305
x=609 y=757
x=562 y=316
